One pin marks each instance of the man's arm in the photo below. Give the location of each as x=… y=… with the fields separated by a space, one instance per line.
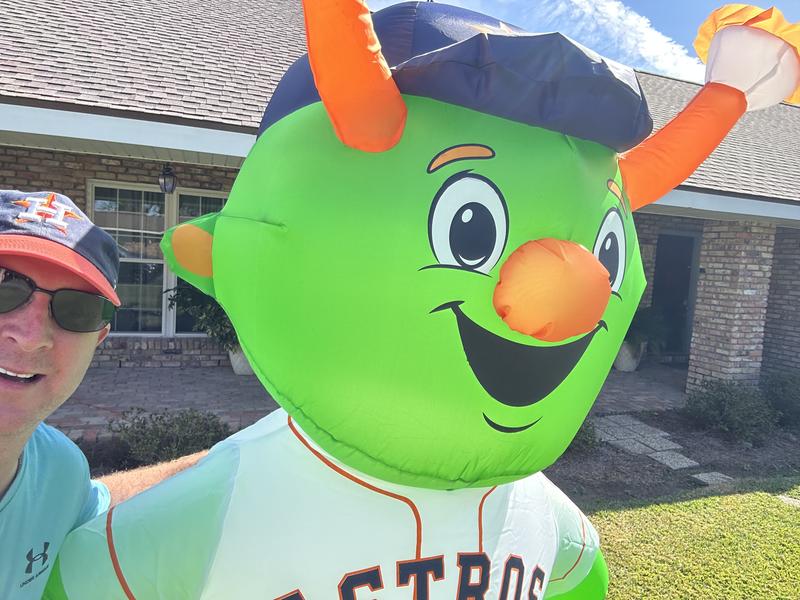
x=124 y=484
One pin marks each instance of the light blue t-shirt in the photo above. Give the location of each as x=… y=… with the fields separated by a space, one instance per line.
x=51 y=495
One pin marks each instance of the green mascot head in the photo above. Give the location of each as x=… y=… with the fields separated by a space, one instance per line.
x=432 y=267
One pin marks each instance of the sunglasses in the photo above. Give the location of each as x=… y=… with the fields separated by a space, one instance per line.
x=72 y=310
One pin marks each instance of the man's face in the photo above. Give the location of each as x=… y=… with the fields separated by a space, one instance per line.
x=32 y=343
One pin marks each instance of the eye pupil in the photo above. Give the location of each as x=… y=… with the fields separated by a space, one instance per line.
x=473 y=234
x=610 y=247
x=609 y=256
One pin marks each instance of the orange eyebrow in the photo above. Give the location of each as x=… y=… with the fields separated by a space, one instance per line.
x=460 y=152
x=614 y=189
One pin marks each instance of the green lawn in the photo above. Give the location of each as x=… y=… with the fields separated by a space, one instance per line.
x=740 y=545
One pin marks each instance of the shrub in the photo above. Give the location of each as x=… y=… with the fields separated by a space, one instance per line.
x=782 y=390
x=585 y=440
x=163 y=436
x=107 y=455
x=209 y=317
x=737 y=410
x=648 y=326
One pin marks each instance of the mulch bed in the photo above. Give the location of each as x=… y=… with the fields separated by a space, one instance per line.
x=779 y=455
x=606 y=474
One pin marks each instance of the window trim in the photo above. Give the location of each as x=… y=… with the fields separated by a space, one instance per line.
x=170 y=279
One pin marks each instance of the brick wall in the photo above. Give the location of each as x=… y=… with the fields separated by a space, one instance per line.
x=124 y=351
x=782 y=329
x=730 y=312
x=32 y=170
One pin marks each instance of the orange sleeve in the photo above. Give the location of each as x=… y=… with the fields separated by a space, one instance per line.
x=668 y=157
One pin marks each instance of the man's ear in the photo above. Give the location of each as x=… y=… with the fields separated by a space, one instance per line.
x=187 y=250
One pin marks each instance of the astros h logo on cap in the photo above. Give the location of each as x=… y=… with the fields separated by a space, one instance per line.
x=49 y=226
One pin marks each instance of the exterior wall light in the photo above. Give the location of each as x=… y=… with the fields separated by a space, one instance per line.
x=167 y=180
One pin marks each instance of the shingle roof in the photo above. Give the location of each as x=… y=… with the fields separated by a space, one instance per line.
x=211 y=60
x=218 y=62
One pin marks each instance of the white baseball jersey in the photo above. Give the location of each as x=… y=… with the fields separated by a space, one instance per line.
x=270 y=515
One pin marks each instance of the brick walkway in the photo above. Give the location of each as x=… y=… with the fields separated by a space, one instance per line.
x=653 y=387
x=106 y=393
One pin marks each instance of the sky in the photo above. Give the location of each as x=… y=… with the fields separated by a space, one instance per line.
x=651 y=35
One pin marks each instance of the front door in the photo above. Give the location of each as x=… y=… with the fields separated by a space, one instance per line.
x=674 y=285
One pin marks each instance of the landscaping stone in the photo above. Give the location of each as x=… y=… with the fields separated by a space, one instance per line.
x=623 y=420
x=606 y=435
x=659 y=443
x=631 y=445
x=712 y=478
x=632 y=435
x=626 y=426
x=674 y=460
x=790 y=501
x=645 y=430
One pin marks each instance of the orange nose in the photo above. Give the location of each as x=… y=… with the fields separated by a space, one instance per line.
x=552 y=290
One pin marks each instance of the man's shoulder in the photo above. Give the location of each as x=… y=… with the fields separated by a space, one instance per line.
x=39 y=511
x=49 y=449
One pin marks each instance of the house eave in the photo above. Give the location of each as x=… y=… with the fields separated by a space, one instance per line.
x=87 y=133
x=726 y=207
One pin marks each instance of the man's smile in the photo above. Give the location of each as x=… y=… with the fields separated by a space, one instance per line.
x=512 y=373
x=18 y=377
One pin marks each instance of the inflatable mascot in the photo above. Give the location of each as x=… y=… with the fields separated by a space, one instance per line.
x=430 y=259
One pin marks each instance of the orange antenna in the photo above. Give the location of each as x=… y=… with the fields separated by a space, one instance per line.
x=352 y=76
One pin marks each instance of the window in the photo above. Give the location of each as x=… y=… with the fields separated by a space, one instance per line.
x=190 y=207
x=137 y=216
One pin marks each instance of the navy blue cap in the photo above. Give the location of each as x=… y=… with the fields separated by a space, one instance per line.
x=466 y=58
x=50 y=227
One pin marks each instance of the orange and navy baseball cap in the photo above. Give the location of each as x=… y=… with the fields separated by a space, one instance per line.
x=50 y=227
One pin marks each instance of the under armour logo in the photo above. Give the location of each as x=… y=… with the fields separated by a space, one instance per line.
x=42 y=556
x=46 y=210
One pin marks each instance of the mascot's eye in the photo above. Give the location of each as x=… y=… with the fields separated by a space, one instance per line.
x=610 y=248
x=468 y=223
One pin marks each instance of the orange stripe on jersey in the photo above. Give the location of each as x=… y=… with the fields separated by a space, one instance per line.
x=363 y=483
x=114 y=560
x=578 y=560
x=480 y=519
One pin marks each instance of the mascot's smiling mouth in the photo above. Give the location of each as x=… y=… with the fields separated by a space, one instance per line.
x=513 y=373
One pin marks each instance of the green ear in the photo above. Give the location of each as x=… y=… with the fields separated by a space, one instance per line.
x=187 y=250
